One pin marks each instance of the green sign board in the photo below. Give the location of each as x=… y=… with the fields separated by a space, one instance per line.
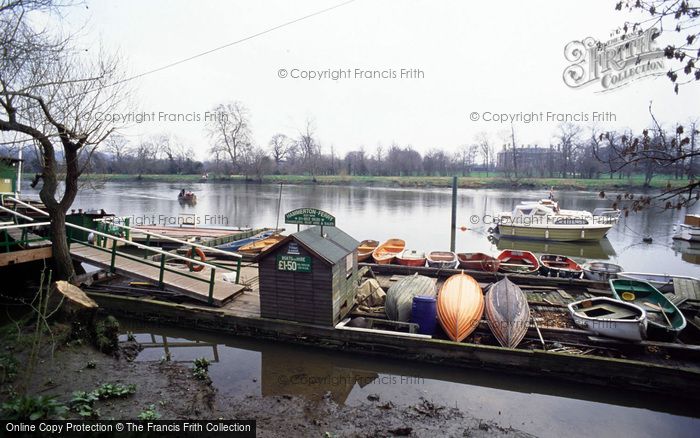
x=309 y=216
x=293 y=263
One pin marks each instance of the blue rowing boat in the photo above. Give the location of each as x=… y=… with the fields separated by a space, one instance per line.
x=236 y=244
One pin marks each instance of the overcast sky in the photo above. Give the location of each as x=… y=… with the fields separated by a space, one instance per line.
x=500 y=57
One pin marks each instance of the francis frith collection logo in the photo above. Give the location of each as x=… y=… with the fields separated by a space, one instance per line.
x=615 y=63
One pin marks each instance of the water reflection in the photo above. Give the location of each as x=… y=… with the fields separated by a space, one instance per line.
x=243 y=367
x=420 y=216
x=601 y=250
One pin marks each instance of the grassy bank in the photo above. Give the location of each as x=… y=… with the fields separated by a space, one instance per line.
x=473 y=181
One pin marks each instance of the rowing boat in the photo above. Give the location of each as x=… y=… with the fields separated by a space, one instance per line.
x=411 y=257
x=664 y=320
x=478 y=261
x=260 y=245
x=387 y=251
x=442 y=259
x=399 y=297
x=236 y=244
x=518 y=262
x=612 y=318
x=600 y=271
x=460 y=304
x=364 y=251
x=553 y=265
x=507 y=313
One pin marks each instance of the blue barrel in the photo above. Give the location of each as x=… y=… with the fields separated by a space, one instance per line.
x=424 y=313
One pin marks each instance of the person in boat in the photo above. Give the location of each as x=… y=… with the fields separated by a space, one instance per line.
x=182 y=194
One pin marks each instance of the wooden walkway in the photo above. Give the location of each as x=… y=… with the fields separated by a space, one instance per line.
x=687 y=288
x=199 y=290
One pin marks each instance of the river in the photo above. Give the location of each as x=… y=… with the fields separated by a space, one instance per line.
x=243 y=367
x=419 y=216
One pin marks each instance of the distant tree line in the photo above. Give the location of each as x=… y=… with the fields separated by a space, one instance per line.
x=573 y=152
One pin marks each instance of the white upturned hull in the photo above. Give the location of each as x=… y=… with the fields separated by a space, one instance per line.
x=687 y=232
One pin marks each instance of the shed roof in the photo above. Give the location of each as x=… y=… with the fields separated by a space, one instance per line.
x=332 y=246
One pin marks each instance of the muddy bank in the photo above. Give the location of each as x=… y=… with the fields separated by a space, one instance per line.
x=170 y=390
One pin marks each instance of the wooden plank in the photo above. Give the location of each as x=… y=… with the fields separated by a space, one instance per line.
x=25 y=255
x=39 y=242
x=223 y=291
x=687 y=288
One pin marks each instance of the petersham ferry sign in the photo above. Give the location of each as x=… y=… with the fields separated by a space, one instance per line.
x=614 y=63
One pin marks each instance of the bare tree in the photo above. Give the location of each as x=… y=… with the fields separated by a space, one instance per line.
x=568 y=145
x=486 y=149
x=309 y=147
x=230 y=132
x=53 y=94
x=279 y=147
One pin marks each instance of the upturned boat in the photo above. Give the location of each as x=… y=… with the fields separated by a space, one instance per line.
x=612 y=318
x=399 y=297
x=553 y=265
x=442 y=259
x=600 y=271
x=478 y=261
x=690 y=229
x=544 y=220
x=460 y=304
x=364 y=251
x=507 y=313
x=387 y=251
x=664 y=320
x=518 y=262
x=411 y=257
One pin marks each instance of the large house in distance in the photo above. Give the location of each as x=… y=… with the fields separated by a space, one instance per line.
x=530 y=161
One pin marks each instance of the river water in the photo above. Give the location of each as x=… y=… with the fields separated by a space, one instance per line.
x=243 y=367
x=419 y=216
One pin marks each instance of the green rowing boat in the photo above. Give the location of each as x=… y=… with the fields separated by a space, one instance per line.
x=664 y=320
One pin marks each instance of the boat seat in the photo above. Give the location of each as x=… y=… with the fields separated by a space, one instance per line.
x=609 y=312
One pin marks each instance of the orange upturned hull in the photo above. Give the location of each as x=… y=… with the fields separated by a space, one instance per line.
x=387 y=251
x=460 y=305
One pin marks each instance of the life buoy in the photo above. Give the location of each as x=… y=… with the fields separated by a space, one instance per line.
x=196 y=267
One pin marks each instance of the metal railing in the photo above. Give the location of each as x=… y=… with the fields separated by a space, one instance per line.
x=104 y=239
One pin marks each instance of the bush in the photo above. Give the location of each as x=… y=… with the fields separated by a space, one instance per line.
x=114 y=390
x=8 y=367
x=149 y=414
x=107 y=335
x=28 y=408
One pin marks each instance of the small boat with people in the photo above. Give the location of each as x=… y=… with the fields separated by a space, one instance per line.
x=399 y=296
x=611 y=318
x=544 y=220
x=518 y=262
x=664 y=320
x=411 y=257
x=186 y=196
x=507 y=312
x=460 y=305
x=478 y=261
x=386 y=253
x=364 y=251
x=600 y=271
x=442 y=259
x=553 y=265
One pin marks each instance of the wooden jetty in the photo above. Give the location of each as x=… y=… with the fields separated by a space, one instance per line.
x=221 y=291
x=209 y=236
x=675 y=369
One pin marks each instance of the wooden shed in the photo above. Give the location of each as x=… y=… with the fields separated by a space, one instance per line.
x=309 y=277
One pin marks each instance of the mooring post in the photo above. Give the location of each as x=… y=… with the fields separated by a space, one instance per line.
x=453 y=230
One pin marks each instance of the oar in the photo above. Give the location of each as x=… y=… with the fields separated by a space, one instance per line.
x=658 y=308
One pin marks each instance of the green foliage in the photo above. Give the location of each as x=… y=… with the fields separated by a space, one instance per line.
x=28 y=408
x=83 y=403
x=107 y=335
x=201 y=369
x=8 y=367
x=149 y=414
x=114 y=390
